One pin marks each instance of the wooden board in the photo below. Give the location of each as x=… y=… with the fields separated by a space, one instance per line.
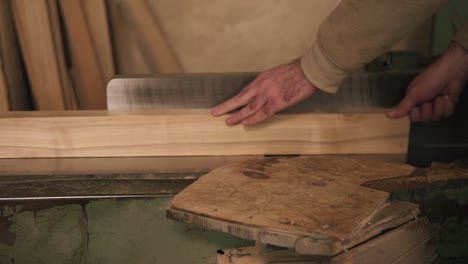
x=96 y=16
x=153 y=38
x=14 y=77
x=37 y=44
x=117 y=165
x=313 y=204
x=66 y=82
x=4 y=101
x=129 y=53
x=89 y=82
x=408 y=242
x=194 y=133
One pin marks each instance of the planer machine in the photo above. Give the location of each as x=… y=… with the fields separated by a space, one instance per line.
x=298 y=208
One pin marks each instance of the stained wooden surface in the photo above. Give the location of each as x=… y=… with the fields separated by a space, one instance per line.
x=194 y=133
x=313 y=204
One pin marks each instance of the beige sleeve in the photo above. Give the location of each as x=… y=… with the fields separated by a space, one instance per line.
x=357 y=32
x=462 y=36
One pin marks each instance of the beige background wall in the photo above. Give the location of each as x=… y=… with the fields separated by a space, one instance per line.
x=244 y=35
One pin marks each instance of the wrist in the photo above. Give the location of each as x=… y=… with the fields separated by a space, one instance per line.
x=458 y=56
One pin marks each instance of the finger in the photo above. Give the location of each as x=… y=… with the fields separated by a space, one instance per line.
x=449 y=106
x=237 y=101
x=426 y=112
x=415 y=114
x=439 y=108
x=247 y=111
x=263 y=113
x=403 y=108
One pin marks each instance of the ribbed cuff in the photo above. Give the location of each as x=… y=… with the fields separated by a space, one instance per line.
x=320 y=70
x=462 y=36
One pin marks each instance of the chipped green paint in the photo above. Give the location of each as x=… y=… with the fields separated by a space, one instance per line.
x=110 y=231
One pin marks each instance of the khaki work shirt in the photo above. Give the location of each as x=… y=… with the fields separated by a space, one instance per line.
x=358 y=31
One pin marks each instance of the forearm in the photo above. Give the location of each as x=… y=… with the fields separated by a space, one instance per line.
x=357 y=32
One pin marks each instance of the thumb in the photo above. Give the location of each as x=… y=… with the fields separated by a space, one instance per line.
x=402 y=109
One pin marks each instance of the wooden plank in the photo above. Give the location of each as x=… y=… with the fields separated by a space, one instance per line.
x=129 y=55
x=14 y=77
x=34 y=30
x=195 y=133
x=117 y=165
x=314 y=204
x=89 y=81
x=4 y=101
x=67 y=85
x=153 y=38
x=96 y=16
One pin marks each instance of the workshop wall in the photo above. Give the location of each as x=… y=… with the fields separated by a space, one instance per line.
x=59 y=54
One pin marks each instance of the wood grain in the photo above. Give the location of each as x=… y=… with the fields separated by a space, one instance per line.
x=13 y=69
x=96 y=16
x=89 y=81
x=153 y=38
x=129 y=54
x=65 y=79
x=117 y=165
x=195 y=133
x=4 y=102
x=34 y=30
x=314 y=204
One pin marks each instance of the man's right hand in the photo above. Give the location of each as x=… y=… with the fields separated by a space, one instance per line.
x=272 y=91
x=434 y=93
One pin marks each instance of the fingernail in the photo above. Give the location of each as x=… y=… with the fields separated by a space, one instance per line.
x=391 y=113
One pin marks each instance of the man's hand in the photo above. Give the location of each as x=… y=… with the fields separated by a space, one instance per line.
x=271 y=92
x=434 y=93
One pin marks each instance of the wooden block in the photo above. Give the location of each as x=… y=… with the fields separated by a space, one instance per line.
x=314 y=204
x=195 y=133
x=89 y=81
x=14 y=77
x=96 y=16
x=34 y=30
x=153 y=38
